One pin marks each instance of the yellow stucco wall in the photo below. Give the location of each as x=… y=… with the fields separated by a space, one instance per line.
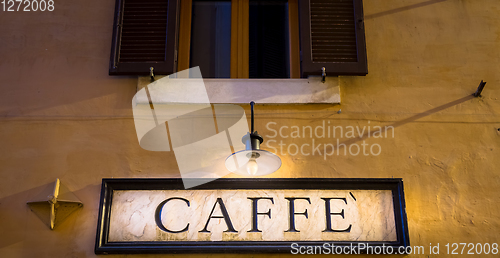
x=62 y=116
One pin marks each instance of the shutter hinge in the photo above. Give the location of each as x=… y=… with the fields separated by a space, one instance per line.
x=323 y=74
x=361 y=24
x=151 y=74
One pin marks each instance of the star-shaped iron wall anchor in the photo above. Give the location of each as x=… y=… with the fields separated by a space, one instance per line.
x=55 y=204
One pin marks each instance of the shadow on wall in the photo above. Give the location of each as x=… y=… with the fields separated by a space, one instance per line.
x=384 y=129
x=404 y=8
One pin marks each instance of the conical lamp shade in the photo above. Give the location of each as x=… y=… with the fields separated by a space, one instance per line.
x=243 y=164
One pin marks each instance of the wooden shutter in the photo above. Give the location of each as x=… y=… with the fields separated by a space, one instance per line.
x=144 y=36
x=332 y=36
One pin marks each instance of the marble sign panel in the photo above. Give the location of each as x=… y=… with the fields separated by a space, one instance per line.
x=355 y=215
x=249 y=215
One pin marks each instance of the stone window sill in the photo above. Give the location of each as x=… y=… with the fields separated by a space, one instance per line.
x=262 y=91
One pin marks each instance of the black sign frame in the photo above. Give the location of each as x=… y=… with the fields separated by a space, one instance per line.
x=103 y=246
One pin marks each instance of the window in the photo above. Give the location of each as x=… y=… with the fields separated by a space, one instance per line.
x=239 y=38
x=210 y=39
x=269 y=54
x=210 y=44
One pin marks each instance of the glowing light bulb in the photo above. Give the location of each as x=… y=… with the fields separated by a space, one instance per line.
x=252 y=167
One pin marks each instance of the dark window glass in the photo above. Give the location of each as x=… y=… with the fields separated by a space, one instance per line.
x=211 y=38
x=269 y=46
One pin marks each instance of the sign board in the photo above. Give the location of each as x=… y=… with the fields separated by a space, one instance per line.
x=248 y=215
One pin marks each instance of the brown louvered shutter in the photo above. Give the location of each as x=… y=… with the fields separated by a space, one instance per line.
x=332 y=36
x=144 y=36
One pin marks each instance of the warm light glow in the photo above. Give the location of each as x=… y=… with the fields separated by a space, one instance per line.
x=252 y=167
x=253 y=163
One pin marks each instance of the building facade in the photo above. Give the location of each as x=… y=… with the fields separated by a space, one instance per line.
x=63 y=116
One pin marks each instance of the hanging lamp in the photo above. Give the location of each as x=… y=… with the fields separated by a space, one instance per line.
x=253 y=161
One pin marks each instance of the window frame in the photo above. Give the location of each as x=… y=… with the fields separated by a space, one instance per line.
x=239 y=38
